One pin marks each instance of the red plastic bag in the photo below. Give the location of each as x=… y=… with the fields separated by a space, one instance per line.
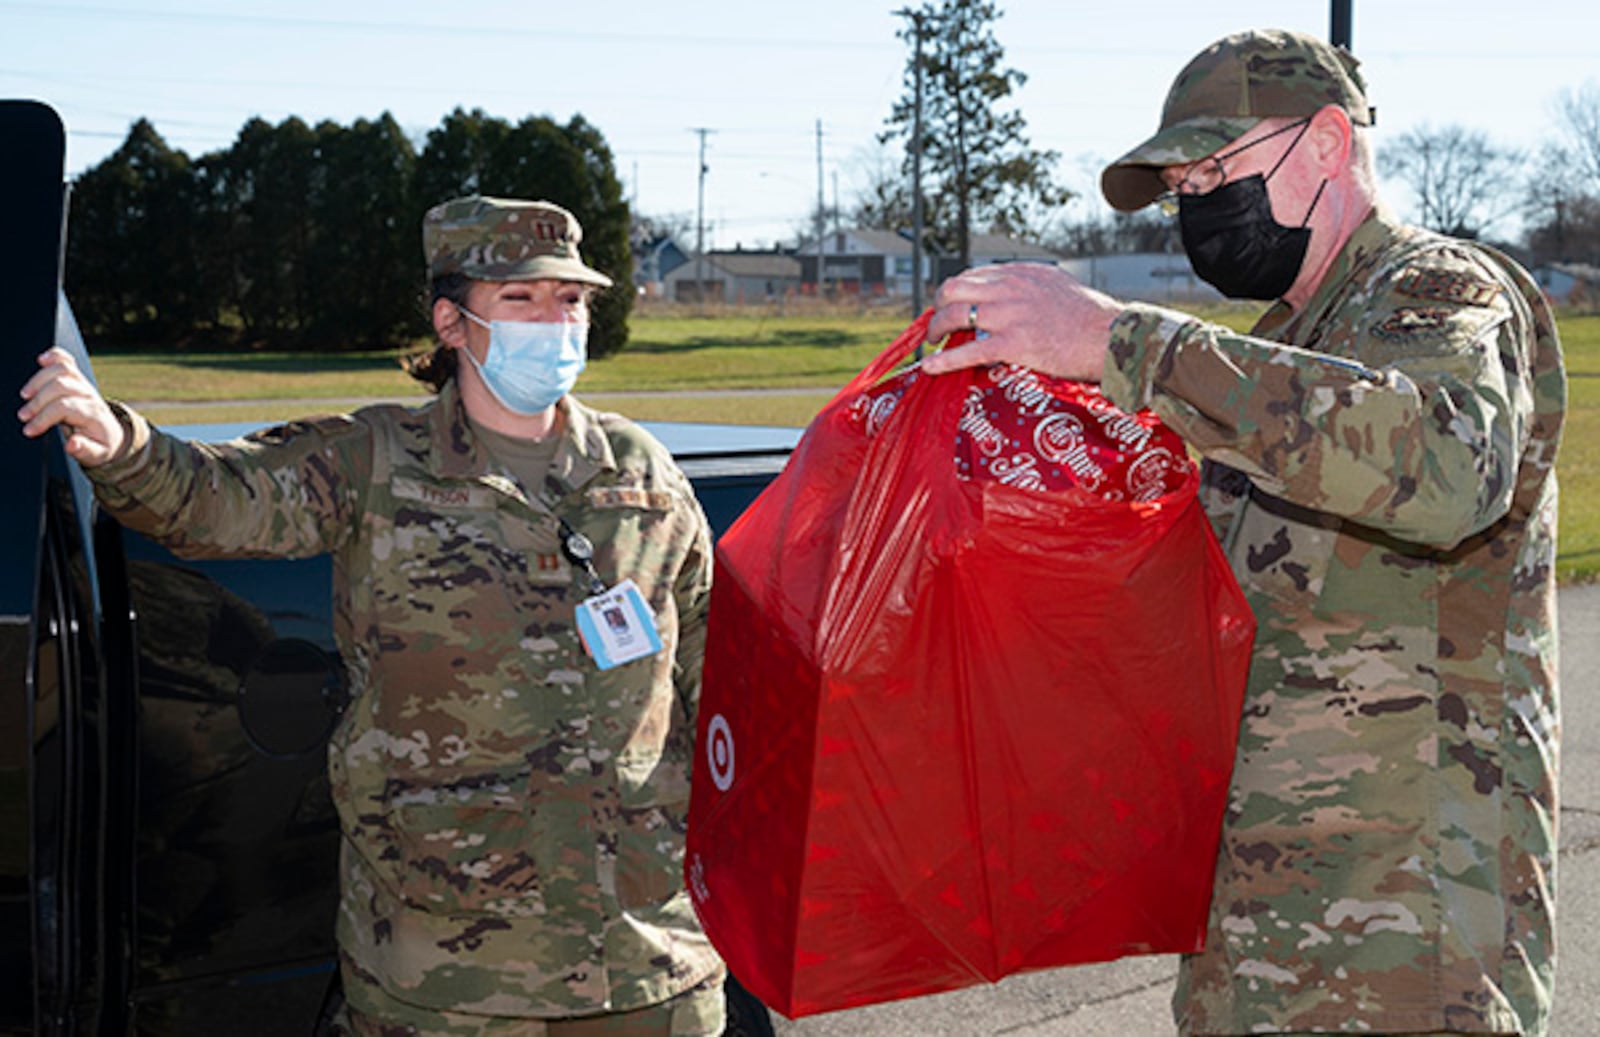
x=1037 y=432
x=950 y=728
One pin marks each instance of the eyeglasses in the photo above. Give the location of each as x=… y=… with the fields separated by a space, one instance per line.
x=1207 y=174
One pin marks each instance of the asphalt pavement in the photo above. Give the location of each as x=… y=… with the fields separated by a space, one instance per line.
x=1131 y=998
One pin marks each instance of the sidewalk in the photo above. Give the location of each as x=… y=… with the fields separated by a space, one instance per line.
x=1130 y=998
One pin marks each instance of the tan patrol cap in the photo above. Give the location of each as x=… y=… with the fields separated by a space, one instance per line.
x=1228 y=88
x=505 y=239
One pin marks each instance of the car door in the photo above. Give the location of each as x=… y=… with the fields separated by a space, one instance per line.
x=59 y=716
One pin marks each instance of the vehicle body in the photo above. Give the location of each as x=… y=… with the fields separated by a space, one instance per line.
x=168 y=864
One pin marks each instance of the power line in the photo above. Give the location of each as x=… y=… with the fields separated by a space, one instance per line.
x=543 y=32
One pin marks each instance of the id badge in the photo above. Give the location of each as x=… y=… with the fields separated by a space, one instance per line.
x=617 y=626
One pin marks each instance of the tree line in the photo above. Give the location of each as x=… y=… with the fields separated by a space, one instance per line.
x=309 y=237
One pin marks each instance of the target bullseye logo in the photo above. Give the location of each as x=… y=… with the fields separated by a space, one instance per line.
x=719 y=752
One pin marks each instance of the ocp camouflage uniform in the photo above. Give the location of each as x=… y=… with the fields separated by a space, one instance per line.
x=1386 y=493
x=513 y=817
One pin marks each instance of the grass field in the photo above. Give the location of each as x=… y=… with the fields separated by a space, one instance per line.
x=677 y=368
x=1578 y=465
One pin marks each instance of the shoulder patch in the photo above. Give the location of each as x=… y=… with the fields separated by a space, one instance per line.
x=631 y=497
x=1453 y=286
x=1413 y=322
x=289 y=429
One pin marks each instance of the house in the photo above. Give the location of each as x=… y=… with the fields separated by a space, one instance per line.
x=654 y=257
x=860 y=261
x=864 y=261
x=1161 y=277
x=988 y=249
x=1569 y=284
x=737 y=277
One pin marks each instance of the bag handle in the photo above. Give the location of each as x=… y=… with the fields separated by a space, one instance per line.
x=906 y=343
x=916 y=334
x=903 y=346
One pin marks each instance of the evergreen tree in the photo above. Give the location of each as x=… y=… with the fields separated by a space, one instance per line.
x=363 y=273
x=131 y=270
x=310 y=238
x=455 y=157
x=982 y=168
x=262 y=183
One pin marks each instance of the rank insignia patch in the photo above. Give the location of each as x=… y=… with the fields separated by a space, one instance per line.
x=1412 y=321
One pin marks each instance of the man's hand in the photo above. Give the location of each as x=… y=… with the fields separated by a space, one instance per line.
x=59 y=394
x=1033 y=314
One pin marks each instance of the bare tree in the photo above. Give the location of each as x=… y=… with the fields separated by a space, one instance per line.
x=652 y=227
x=1578 y=117
x=1562 y=209
x=1563 y=189
x=1462 y=181
x=882 y=199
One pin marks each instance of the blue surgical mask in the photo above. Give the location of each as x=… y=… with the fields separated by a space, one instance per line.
x=530 y=365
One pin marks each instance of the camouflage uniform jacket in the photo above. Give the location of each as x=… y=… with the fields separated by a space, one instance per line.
x=1384 y=486
x=513 y=818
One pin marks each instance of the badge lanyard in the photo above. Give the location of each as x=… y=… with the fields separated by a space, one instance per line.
x=579 y=550
x=615 y=624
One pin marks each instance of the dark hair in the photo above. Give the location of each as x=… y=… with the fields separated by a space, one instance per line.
x=437 y=366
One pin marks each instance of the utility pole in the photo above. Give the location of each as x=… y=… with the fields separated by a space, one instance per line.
x=1340 y=27
x=821 y=214
x=916 y=165
x=700 y=225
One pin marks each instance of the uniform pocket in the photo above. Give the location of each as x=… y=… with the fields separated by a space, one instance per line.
x=467 y=852
x=1281 y=551
x=654 y=794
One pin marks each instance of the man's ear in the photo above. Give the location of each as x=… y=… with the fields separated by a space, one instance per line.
x=448 y=323
x=1331 y=139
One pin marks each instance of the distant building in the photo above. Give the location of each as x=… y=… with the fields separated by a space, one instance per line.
x=988 y=249
x=1569 y=284
x=734 y=277
x=1158 y=277
x=654 y=258
x=864 y=261
x=860 y=261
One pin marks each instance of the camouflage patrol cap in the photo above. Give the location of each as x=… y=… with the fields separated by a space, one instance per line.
x=1228 y=88
x=505 y=239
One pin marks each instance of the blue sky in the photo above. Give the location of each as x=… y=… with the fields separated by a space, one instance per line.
x=759 y=75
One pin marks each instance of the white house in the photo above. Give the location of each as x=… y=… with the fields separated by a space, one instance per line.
x=860 y=261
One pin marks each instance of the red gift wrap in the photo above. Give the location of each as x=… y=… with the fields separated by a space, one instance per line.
x=971 y=694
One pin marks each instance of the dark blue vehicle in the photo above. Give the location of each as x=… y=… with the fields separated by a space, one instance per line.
x=167 y=862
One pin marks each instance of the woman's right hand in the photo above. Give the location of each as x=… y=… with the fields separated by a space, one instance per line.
x=59 y=394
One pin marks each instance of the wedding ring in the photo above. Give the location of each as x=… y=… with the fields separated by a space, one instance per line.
x=972 y=316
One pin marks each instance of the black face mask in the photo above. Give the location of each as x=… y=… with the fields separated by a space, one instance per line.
x=1234 y=243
